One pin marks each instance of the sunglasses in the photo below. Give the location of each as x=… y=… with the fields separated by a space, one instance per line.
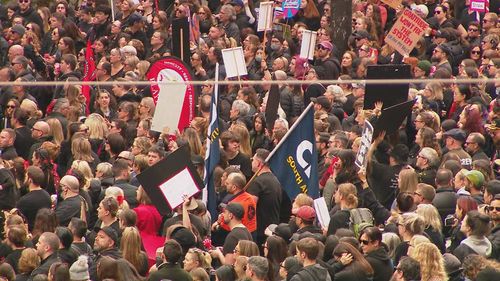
x=476 y=52
x=491 y=208
x=473 y=29
x=11 y=106
x=364 y=242
x=437 y=12
x=23 y=1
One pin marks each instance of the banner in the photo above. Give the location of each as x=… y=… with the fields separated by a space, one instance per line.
x=406 y=32
x=294 y=161
x=290 y=8
x=212 y=155
x=175 y=103
x=366 y=141
x=88 y=73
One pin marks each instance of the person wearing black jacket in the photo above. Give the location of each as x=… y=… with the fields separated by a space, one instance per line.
x=101 y=26
x=47 y=247
x=376 y=253
x=7 y=188
x=446 y=198
x=28 y=13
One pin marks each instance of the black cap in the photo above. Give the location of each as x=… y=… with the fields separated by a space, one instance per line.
x=236 y=209
x=456 y=134
x=135 y=18
x=362 y=34
x=110 y=232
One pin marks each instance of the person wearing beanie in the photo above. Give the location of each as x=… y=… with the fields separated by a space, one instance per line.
x=79 y=270
x=422 y=69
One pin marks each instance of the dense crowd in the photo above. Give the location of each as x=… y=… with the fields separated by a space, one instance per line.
x=426 y=206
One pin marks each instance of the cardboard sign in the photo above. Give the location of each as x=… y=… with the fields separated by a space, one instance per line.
x=234 y=61
x=389 y=94
x=366 y=141
x=478 y=6
x=265 y=21
x=395 y=4
x=406 y=32
x=170 y=179
x=308 y=44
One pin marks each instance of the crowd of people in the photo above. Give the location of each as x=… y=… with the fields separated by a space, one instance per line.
x=426 y=206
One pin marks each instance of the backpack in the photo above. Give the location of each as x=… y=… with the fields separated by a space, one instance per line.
x=360 y=219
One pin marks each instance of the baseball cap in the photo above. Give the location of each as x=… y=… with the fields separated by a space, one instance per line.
x=425 y=65
x=237 y=3
x=306 y=213
x=327 y=45
x=282 y=230
x=361 y=34
x=475 y=177
x=19 y=29
x=236 y=209
x=456 y=134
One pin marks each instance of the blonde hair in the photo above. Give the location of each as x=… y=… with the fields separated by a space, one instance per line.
x=199 y=274
x=413 y=223
x=303 y=199
x=409 y=180
x=130 y=245
x=83 y=167
x=28 y=261
x=56 y=130
x=31 y=108
x=392 y=241
x=97 y=126
x=115 y=191
x=142 y=67
x=150 y=104
x=52 y=148
x=204 y=258
x=81 y=149
x=430 y=215
x=437 y=91
x=349 y=194
x=431 y=262
x=242 y=132
x=143 y=144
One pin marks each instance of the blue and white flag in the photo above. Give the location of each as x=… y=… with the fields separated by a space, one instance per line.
x=294 y=161
x=212 y=154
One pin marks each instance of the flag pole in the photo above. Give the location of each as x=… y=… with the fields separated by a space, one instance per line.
x=295 y=124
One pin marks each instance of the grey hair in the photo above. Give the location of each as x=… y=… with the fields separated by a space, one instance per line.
x=259 y=266
x=431 y=155
x=339 y=96
x=60 y=102
x=282 y=121
x=242 y=107
x=229 y=9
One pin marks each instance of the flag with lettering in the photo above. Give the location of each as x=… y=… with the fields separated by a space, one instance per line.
x=294 y=161
x=212 y=154
x=88 y=73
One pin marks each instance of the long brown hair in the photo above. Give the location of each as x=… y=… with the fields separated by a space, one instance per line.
x=359 y=261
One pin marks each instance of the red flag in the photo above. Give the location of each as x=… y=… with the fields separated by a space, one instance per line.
x=88 y=73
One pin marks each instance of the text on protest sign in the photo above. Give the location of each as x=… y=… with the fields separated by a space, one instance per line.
x=477 y=5
x=406 y=32
x=366 y=141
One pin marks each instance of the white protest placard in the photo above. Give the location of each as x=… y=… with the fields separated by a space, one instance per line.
x=234 y=61
x=322 y=213
x=478 y=6
x=395 y=4
x=366 y=141
x=179 y=185
x=308 y=44
x=406 y=32
x=265 y=21
x=169 y=106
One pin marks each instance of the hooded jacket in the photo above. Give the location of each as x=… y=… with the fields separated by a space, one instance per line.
x=312 y=273
x=473 y=245
x=381 y=264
